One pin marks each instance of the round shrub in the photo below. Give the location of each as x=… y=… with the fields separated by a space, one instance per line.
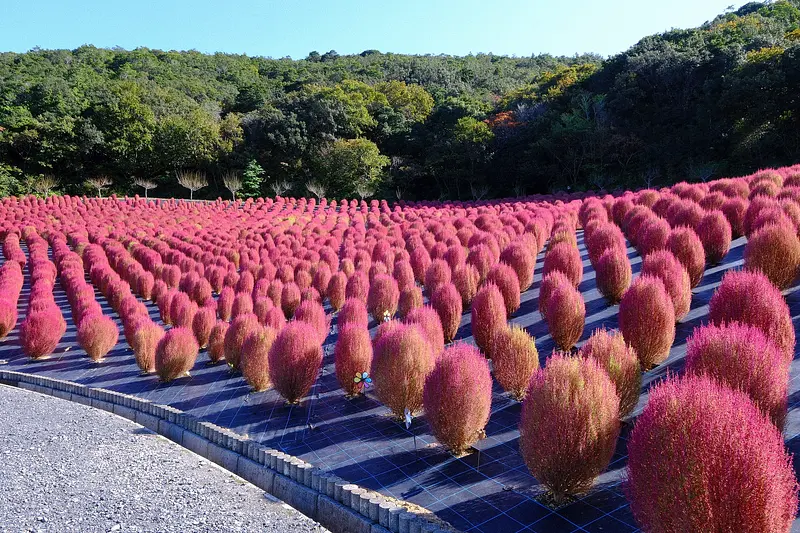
x=401 y=361
x=254 y=361
x=242 y=304
x=216 y=341
x=522 y=260
x=602 y=238
x=774 y=250
x=225 y=303
x=437 y=273
x=314 y=314
x=403 y=274
x=383 y=297
x=715 y=233
x=410 y=299
x=685 y=245
x=8 y=317
x=647 y=320
x=742 y=357
x=428 y=321
x=653 y=235
x=547 y=286
x=750 y=298
x=144 y=341
x=612 y=274
x=569 y=424
x=357 y=286
x=664 y=265
x=565 y=258
x=202 y=323
x=176 y=353
x=566 y=316
x=506 y=280
x=241 y=327
x=290 y=299
x=40 y=332
x=353 y=312
x=466 y=280
x=701 y=457
x=488 y=315
x=458 y=397
x=274 y=319
x=515 y=359
x=97 y=335
x=447 y=303
x=336 y=290
x=352 y=355
x=619 y=361
x=294 y=361
x=734 y=210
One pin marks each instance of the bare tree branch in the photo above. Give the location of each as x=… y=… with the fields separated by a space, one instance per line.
x=280 y=187
x=233 y=182
x=99 y=183
x=45 y=184
x=316 y=188
x=479 y=192
x=191 y=180
x=365 y=191
x=145 y=184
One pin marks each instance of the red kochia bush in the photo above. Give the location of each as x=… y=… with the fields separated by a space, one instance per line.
x=620 y=362
x=686 y=246
x=515 y=359
x=225 y=303
x=410 y=299
x=353 y=312
x=254 y=361
x=506 y=280
x=714 y=231
x=613 y=274
x=176 y=353
x=294 y=361
x=8 y=317
x=241 y=327
x=290 y=299
x=666 y=266
x=242 y=304
x=313 y=313
x=40 y=332
x=428 y=321
x=701 y=457
x=547 y=286
x=437 y=273
x=742 y=357
x=774 y=250
x=522 y=260
x=336 y=290
x=750 y=298
x=201 y=325
x=447 y=303
x=653 y=235
x=566 y=316
x=569 y=424
x=488 y=315
x=216 y=341
x=565 y=258
x=352 y=355
x=647 y=320
x=97 y=334
x=383 y=297
x=466 y=279
x=401 y=362
x=605 y=236
x=358 y=286
x=146 y=336
x=458 y=397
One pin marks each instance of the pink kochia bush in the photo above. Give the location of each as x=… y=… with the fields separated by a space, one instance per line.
x=701 y=457
x=566 y=316
x=619 y=360
x=428 y=321
x=506 y=280
x=647 y=320
x=569 y=424
x=383 y=297
x=774 y=250
x=97 y=334
x=566 y=258
x=742 y=357
x=447 y=303
x=515 y=359
x=685 y=245
x=216 y=341
x=235 y=336
x=458 y=397
x=613 y=274
x=40 y=332
x=294 y=361
x=353 y=312
x=313 y=313
x=176 y=353
x=750 y=298
x=488 y=315
x=254 y=361
x=410 y=299
x=715 y=233
x=146 y=336
x=352 y=356
x=401 y=361
x=522 y=260
x=662 y=264
x=202 y=323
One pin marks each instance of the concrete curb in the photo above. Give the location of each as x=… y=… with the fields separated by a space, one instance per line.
x=339 y=506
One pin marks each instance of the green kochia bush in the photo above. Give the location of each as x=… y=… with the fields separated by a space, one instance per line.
x=569 y=424
x=458 y=397
x=701 y=457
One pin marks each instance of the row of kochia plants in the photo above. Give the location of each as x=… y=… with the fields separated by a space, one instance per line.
x=247 y=286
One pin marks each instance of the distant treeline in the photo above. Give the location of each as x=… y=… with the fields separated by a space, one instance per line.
x=720 y=99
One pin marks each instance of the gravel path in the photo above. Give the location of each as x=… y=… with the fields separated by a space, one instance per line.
x=66 y=467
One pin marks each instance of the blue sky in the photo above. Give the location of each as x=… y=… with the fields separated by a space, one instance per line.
x=295 y=27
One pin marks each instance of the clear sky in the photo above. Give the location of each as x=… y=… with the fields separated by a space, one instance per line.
x=295 y=27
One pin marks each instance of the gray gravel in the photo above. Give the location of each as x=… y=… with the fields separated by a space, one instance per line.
x=66 y=467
